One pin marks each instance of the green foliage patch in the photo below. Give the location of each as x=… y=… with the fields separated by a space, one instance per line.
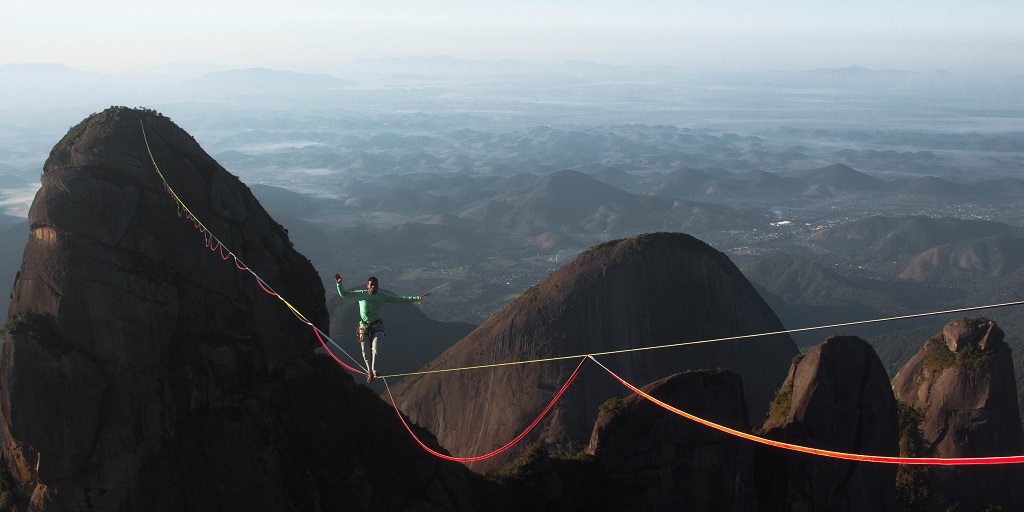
x=583 y=256
x=912 y=489
x=973 y=359
x=516 y=470
x=528 y=296
x=582 y=484
x=938 y=356
x=779 y=409
x=610 y=406
x=30 y=324
x=76 y=131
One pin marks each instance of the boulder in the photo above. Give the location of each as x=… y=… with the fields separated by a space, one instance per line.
x=654 y=457
x=962 y=334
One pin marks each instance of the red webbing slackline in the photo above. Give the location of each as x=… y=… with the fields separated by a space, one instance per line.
x=331 y=353
x=930 y=461
x=214 y=244
x=499 y=450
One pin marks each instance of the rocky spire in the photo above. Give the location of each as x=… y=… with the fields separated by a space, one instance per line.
x=836 y=397
x=961 y=391
x=141 y=371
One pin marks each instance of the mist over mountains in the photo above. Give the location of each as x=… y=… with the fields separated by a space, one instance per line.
x=477 y=179
x=842 y=195
x=484 y=176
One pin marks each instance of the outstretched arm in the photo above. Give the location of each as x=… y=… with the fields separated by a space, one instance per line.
x=402 y=300
x=341 y=291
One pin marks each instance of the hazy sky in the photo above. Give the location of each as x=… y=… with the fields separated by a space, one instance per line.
x=313 y=35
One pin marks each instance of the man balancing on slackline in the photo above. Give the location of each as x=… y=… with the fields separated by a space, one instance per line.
x=371 y=301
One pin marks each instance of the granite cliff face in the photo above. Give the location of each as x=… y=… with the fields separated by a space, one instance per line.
x=961 y=389
x=836 y=397
x=963 y=379
x=652 y=456
x=140 y=371
x=647 y=290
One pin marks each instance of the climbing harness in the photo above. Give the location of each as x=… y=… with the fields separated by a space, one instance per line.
x=370 y=330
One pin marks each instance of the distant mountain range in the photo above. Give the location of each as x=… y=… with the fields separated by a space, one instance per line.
x=241 y=83
x=525 y=205
x=805 y=293
x=570 y=201
x=996 y=257
x=186 y=82
x=896 y=240
x=813 y=185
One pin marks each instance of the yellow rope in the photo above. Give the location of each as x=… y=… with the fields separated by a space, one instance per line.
x=164 y=180
x=298 y=314
x=714 y=340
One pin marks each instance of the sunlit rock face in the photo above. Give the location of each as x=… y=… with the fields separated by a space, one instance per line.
x=647 y=290
x=962 y=387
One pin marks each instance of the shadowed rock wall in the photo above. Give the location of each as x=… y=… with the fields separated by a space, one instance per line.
x=140 y=371
x=666 y=462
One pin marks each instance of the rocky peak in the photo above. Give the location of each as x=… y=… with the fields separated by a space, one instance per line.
x=960 y=395
x=836 y=397
x=979 y=332
x=963 y=381
x=142 y=371
x=103 y=227
x=647 y=290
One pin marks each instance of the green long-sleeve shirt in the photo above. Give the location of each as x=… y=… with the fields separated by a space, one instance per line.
x=371 y=304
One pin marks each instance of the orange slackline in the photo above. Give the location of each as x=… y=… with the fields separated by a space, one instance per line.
x=930 y=461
